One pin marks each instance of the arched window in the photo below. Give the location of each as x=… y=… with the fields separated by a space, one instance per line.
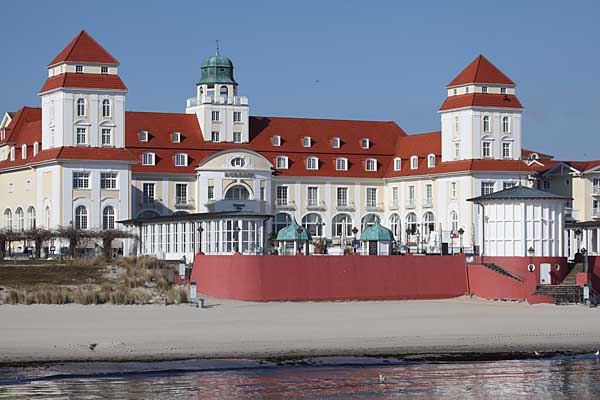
x=20 y=217
x=313 y=223
x=224 y=91
x=238 y=162
x=428 y=223
x=395 y=225
x=48 y=217
x=486 y=123
x=453 y=221
x=81 y=218
x=341 y=225
x=237 y=192
x=106 y=108
x=397 y=164
x=8 y=219
x=108 y=218
x=505 y=125
x=414 y=162
x=280 y=221
x=431 y=161
x=80 y=107
x=31 y=218
x=368 y=220
x=411 y=223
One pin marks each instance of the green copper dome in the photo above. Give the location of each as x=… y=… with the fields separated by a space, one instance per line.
x=291 y=233
x=217 y=69
x=376 y=232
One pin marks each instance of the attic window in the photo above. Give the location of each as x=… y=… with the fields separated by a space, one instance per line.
x=364 y=143
x=431 y=161
x=484 y=89
x=281 y=162
x=148 y=159
x=12 y=154
x=143 y=136
x=79 y=69
x=467 y=89
x=176 y=137
x=414 y=162
x=104 y=70
x=312 y=163
x=276 y=140
x=181 y=160
x=397 y=163
x=371 y=165
x=36 y=148
x=306 y=141
x=24 y=152
x=503 y=90
x=335 y=143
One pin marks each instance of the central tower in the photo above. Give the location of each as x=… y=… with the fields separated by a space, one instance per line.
x=222 y=114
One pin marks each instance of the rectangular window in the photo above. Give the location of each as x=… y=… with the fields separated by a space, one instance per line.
x=81 y=180
x=237 y=116
x=364 y=143
x=214 y=136
x=108 y=180
x=181 y=193
x=596 y=182
x=395 y=195
x=147 y=158
x=341 y=164
x=306 y=141
x=503 y=90
x=143 y=136
x=411 y=196
x=397 y=164
x=484 y=89
x=81 y=136
x=180 y=160
x=176 y=137
x=486 y=150
x=237 y=137
x=335 y=143
x=371 y=197
x=148 y=193
x=282 y=162
x=342 y=197
x=428 y=200
x=546 y=185
x=508 y=185
x=276 y=140
x=506 y=150
x=104 y=70
x=216 y=116
x=414 y=162
x=312 y=196
x=211 y=192
x=457 y=151
x=487 y=188
x=106 y=137
x=312 y=163
x=79 y=69
x=453 y=190
x=282 y=196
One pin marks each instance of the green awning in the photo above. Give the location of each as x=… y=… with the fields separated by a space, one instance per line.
x=376 y=232
x=293 y=232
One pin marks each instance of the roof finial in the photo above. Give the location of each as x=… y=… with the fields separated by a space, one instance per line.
x=217 y=46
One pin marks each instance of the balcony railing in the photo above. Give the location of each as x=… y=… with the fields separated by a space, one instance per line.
x=284 y=204
x=316 y=205
x=595 y=212
x=345 y=206
x=374 y=207
x=231 y=100
x=183 y=202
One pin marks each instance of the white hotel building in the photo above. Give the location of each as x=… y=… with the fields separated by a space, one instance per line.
x=218 y=179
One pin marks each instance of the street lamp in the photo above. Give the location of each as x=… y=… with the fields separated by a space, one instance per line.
x=583 y=252
x=200 y=230
x=236 y=237
x=461 y=231
x=531 y=252
x=354 y=232
x=299 y=231
x=408 y=232
x=418 y=241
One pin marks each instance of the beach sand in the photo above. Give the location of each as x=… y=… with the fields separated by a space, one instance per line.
x=231 y=329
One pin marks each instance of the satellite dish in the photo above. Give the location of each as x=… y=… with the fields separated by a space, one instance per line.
x=531 y=267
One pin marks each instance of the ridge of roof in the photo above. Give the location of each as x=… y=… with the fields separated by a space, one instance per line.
x=519 y=192
x=481 y=70
x=325 y=119
x=84 y=48
x=481 y=100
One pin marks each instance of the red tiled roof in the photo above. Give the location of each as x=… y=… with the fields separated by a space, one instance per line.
x=481 y=70
x=84 y=81
x=481 y=100
x=25 y=127
x=83 y=48
x=525 y=153
x=461 y=166
x=421 y=145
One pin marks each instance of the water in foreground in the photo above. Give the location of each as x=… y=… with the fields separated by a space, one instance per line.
x=557 y=378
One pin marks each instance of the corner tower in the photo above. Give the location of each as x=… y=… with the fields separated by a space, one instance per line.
x=222 y=114
x=83 y=99
x=481 y=117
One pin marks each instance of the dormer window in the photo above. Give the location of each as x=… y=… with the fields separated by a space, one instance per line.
x=484 y=89
x=36 y=148
x=312 y=163
x=503 y=90
x=341 y=164
x=143 y=136
x=238 y=162
x=467 y=89
x=454 y=91
x=364 y=143
x=79 y=69
x=414 y=162
x=371 y=165
x=281 y=162
x=276 y=140
x=397 y=164
x=431 y=161
x=336 y=142
x=148 y=158
x=12 y=154
x=104 y=70
x=176 y=137
x=306 y=141
x=24 y=152
x=181 y=160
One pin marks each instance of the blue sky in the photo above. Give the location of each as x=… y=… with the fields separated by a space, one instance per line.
x=375 y=60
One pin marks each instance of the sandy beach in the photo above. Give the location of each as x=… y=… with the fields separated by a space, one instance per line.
x=230 y=329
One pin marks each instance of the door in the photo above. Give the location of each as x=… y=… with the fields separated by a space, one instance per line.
x=545 y=269
x=372 y=248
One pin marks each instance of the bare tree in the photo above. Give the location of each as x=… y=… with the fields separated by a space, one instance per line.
x=74 y=236
x=108 y=235
x=39 y=236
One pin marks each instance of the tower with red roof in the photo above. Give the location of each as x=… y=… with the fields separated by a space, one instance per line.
x=83 y=99
x=481 y=117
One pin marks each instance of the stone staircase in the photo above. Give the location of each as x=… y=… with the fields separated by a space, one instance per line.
x=498 y=269
x=567 y=292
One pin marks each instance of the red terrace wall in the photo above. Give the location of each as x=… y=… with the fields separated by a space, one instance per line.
x=298 y=278
x=491 y=285
x=594 y=269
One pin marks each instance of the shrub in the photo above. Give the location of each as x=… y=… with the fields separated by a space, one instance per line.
x=177 y=295
x=43 y=294
x=89 y=296
x=86 y=262
x=14 y=297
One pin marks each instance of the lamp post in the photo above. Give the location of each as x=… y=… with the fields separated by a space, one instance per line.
x=408 y=231
x=461 y=231
x=418 y=241
x=354 y=232
x=299 y=231
x=200 y=230
x=578 y=236
x=531 y=252
x=236 y=237
x=583 y=252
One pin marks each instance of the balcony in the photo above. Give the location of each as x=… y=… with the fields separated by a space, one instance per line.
x=249 y=206
x=316 y=206
x=224 y=100
x=596 y=212
x=596 y=190
x=283 y=204
x=374 y=207
x=410 y=204
x=394 y=205
x=184 y=203
x=345 y=206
